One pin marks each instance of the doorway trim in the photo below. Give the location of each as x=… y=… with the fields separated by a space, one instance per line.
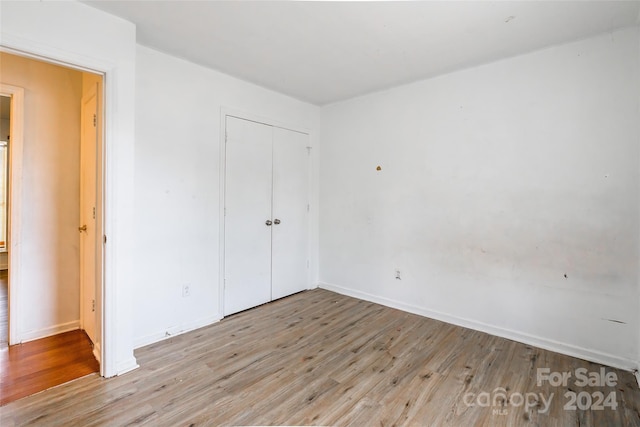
x=105 y=301
x=107 y=46
x=14 y=203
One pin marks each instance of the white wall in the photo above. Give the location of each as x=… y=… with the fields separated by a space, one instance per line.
x=177 y=183
x=50 y=200
x=508 y=197
x=78 y=34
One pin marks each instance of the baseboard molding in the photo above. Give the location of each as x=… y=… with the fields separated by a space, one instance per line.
x=175 y=330
x=126 y=366
x=547 y=344
x=637 y=374
x=49 y=331
x=96 y=352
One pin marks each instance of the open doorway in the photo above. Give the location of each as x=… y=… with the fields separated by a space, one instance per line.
x=54 y=211
x=5 y=120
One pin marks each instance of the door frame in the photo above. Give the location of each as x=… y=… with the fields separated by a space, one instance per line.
x=244 y=115
x=14 y=205
x=104 y=348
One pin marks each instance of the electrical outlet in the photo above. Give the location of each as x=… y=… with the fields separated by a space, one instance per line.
x=186 y=291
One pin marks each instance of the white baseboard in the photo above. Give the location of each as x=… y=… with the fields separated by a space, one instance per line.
x=49 y=331
x=175 y=330
x=637 y=374
x=96 y=352
x=125 y=366
x=547 y=344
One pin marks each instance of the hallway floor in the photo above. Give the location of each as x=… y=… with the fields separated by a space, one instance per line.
x=4 y=308
x=35 y=366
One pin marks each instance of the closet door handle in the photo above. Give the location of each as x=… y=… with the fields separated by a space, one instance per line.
x=268 y=223
x=276 y=221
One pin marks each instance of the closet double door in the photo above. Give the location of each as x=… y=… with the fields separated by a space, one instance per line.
x=266 y=213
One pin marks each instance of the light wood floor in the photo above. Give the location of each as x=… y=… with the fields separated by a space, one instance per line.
x=37 y=365
x=325 y=359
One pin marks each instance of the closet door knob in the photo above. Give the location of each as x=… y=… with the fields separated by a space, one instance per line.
x=268 y=222
x=276 y=221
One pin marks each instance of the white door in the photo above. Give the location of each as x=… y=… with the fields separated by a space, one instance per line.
x=290 y=212
x=88 y=153
x=248 y=191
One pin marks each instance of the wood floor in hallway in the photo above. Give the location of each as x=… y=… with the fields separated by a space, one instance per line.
x=4 y=308
x=37 y=365
x=319 y=358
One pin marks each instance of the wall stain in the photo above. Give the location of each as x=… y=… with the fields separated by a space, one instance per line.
x=615 y=321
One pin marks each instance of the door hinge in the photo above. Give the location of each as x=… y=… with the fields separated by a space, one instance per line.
x=105 y=239
x=95 y=120
x=93 y=305
x=94 y=213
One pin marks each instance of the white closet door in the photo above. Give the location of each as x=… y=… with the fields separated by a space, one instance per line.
x=290 y=197
x=248 y=192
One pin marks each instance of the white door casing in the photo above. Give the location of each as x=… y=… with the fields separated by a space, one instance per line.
x=23 y=34
x=15 y=209
x=88 y=193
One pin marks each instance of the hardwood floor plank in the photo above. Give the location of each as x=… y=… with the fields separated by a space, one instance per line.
x=318 y=358
x=31 y=367
x=4 y=308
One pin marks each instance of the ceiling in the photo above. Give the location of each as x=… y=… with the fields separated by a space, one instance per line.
x=323 y=52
